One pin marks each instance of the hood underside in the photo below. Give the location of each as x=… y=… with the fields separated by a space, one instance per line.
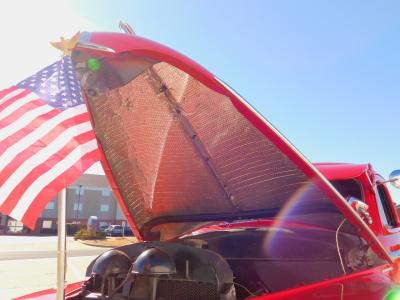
x=177 y=148
x=183 y=149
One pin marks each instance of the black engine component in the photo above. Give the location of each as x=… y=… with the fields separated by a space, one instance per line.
x=154 y=261
x=174 y=289
x=109 y=272
x=113 y=262
x=161 y=271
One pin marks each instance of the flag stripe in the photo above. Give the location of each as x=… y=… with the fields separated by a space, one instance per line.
x=34 y=189
x=71 y=175
x=14 y=94
x=21 y=111
x=34 y=125
x=55 y=146
x=24 y=121
x=18 y=185
x=17 y=104
x=37 y=146
x=35 y=135
x=4 y=92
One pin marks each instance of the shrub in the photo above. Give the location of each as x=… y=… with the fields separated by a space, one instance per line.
x=84 y=234
x=73 y=228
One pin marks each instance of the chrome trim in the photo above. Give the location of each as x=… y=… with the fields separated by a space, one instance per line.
x=93 y=46
x=388 y=269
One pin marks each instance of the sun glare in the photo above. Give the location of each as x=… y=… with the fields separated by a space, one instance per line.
x=26 y=30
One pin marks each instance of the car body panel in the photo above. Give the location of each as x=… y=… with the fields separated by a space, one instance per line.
x=341 y=171
x=71 y=290
x=372 y=284
x=369 y=180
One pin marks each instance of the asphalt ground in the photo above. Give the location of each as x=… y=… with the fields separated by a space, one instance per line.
x=28 y=264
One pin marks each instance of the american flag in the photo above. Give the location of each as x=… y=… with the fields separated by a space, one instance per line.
x=46 y=140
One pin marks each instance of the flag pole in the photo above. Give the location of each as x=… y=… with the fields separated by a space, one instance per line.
x=61 y=244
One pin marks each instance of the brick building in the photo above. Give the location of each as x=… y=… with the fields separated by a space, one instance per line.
x=90 y=195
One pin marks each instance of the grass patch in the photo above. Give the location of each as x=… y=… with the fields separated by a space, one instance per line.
x=84 y=234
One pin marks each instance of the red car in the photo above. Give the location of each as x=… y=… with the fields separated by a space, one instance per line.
x=225 y=207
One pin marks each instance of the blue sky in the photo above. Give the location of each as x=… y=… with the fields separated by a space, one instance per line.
x=325 y=73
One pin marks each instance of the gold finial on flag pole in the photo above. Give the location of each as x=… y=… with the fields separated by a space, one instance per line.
x=67 y=45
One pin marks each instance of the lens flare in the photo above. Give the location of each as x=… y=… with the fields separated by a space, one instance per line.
x=284 y=215
x=393 y=294
x=93 y=64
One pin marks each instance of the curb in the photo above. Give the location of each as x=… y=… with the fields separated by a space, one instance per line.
x=99 y=246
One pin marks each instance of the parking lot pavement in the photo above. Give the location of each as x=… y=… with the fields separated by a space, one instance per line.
x=36 y=243
x=21 y=277
x=21 y=274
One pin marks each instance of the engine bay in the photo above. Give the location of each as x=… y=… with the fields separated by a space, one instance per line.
x=227 y=264
x=160 y=270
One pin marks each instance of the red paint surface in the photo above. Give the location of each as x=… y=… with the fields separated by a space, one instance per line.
x=334 y=171
x=50 y=294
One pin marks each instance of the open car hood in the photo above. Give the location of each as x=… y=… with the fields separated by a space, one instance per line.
x=180 y=148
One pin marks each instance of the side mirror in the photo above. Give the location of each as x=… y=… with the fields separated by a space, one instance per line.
x=394 y=178
x=361 y=208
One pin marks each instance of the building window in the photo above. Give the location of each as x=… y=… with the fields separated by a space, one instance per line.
x=50 y=205
x=104 y=207
x=106 y=192
x=15 y=226
x=78 y=207
x=47 y=224
x=79 y=190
